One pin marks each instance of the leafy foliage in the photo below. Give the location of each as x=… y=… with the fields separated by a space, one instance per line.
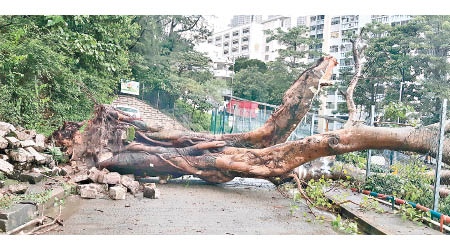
x=10 y=199
x=398 y=110
x=297 y=45
x=356 y=158
x=412 y=55
x=346 y=226
x=51 y=65
x=411 y=184
x=244 y=63
x=47 y=63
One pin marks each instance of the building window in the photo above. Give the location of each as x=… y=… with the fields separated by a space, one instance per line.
x=218 y=38
x=330 y=105
x=236 y=33
x=226 y=35
x=313 y=18
x=266 y=57
x=245 y=31
x=333 y=77
x=335 y=20
x=334 y=34
x=334 y=48
x=267 y=48
x=209 y=40
x=225 y=44
x=225 y=52
x=235 y=41
x=245 y=39
x=245 y=47
x=319 y=35
x=321 y=17
x=320 y=27
x=234 y=50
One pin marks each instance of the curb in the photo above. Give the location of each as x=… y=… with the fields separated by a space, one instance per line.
x=25 y=211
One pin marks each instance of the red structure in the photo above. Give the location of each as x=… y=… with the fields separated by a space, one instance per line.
x=242 y=108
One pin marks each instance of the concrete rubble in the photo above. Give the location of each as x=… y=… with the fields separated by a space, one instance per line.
x=117 y=192
x=26 y=157
x=94 y=183
x=151 y=192
x=22 y=151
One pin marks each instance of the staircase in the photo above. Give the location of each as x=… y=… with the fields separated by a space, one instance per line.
x=148 y=113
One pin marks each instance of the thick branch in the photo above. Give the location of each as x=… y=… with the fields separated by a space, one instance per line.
x=358 y=54
x=296 y=103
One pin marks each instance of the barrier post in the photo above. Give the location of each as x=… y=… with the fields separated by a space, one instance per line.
x=311 y=129
x=369 y=152
x=439 y=155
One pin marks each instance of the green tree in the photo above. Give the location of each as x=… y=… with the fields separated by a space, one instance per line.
x=298 y=44
x=50 y=64
x=411 y=55
x=243 y=63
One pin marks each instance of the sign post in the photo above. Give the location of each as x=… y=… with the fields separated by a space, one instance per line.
x=129 y=87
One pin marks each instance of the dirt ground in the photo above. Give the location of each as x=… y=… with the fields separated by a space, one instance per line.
x=243 y=206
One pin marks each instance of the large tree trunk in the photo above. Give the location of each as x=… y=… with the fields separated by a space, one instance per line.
x=262 y=153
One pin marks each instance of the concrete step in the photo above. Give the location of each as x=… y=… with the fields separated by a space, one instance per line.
x=372 y=222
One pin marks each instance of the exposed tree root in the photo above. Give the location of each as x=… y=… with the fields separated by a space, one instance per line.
x=262 y=153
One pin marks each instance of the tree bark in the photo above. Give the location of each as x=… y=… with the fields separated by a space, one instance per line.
x=262 y=153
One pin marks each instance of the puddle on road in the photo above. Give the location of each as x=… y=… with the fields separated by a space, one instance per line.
x=72 y=204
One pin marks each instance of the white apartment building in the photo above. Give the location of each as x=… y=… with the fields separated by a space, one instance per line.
x=332 y=30
x=242 y=41
x=245 y=19
x=249 y=41
x=220 y=65
x=391 y=19
x=271 y=48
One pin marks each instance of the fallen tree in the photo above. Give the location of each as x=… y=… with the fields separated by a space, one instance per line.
x=116 y=141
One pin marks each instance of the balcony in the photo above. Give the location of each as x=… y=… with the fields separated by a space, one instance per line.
x=222 y=73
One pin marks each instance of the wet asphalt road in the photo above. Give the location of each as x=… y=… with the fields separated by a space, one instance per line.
x=244 y=206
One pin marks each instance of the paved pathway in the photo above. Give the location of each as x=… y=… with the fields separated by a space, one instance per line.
x=244 y=206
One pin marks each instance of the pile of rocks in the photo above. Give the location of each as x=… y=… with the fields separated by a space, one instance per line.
x=21 y=154
x=94 y=183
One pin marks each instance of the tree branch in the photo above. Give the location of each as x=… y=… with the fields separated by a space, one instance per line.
x=190 y=27
x=358 y=54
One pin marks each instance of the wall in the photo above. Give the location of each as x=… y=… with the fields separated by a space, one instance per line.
x=148 y=113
